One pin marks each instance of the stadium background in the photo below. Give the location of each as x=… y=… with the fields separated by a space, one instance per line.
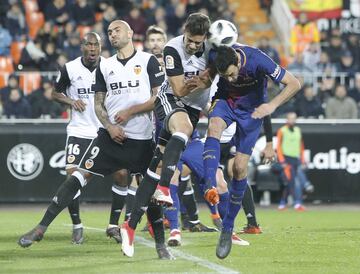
x=36 y=37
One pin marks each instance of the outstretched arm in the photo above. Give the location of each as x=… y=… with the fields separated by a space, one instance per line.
x=292 y=86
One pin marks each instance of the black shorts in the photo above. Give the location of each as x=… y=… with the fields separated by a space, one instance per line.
x=166 y=104
x=104 y=156
x=75 y=150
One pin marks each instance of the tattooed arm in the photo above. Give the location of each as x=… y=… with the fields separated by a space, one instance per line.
x=116 y=132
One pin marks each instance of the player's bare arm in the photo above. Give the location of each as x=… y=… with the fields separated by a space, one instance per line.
x=292 y=86
x=77 y=105
x=124 y=115
x=116 y=132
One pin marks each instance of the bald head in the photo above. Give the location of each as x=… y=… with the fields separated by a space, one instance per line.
x=120 y=23
x=120 y=34
x=91 y=36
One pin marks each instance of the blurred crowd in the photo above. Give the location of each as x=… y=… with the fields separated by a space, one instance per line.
x=42 y=35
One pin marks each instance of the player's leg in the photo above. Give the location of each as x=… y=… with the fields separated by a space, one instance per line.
x=179 y=125
x=140 y=159
x=119 y=192
x=247 y=133
x=172 y=213
x=211 y=155
x=75 y=150
x=97 y=160
x=248 y=204
x=61 y=200
x=237 y=190
x=130 y=198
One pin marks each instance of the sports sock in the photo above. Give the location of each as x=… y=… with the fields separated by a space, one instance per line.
x=171 y=157
x=172 y=213
x=63 y=197
x=211 y=157
x=119 y=194
x=223 y=203
x=249 y=207
x=130 y=199
x=74 y=210
x=142 y=199
x=154 y=214
x=145 y=190
x=191 y=207
x=234 y=204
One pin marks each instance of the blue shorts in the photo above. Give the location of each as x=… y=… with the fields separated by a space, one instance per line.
x=247 y=128
x=192 y=157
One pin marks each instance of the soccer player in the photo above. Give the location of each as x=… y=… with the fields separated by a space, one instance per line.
x=240 y=98
x=125 y=79
x=73 y=88
x=178 y=107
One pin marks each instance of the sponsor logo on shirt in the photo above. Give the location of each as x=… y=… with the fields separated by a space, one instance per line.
x=276 y=72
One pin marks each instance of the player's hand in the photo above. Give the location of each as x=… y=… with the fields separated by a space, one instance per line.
x=201 y=81
x=268 y=154
x=78 y=105
x=262 y=111
x=117 y=134
x=122 y=116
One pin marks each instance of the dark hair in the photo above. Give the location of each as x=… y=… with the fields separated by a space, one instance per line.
x=197 y=24
x=155 y=30
x=225 y=57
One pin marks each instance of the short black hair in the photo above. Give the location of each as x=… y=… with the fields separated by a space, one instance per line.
x=225 y=57
x=197 y=24
x=155 y=30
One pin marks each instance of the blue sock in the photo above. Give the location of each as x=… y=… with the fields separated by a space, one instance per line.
x=234 y=204
x=223 y=203
x=211 y=157
x=171 y=213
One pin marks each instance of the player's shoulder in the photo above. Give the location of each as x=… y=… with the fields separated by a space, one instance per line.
x=143 y=55
x=73 y=63
x=176 y=43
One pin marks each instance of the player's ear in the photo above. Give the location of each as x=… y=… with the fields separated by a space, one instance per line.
x=130 y=34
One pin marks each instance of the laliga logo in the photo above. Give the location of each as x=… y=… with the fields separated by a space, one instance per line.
x=335 y=160
x=25 y=161
x=332 y=160
x=58 y=161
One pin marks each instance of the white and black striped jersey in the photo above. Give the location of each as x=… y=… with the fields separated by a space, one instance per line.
x=128 y=82
x=75 y=80
x=178 y=62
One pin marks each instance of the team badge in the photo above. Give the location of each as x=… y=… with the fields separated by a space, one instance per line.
x=89 y=163
x=169 y=62
x=70 y=159
x=137 y=69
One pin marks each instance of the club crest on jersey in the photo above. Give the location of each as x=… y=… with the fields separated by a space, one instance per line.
x=137 y=69
x=169 y=62
x=89 y=163
x=70 y=159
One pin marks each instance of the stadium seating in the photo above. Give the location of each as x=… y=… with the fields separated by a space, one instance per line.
x=30 y=81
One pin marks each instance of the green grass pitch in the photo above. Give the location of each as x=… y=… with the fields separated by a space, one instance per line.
x=321 y=240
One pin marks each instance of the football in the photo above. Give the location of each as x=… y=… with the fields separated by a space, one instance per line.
x=222 y=33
